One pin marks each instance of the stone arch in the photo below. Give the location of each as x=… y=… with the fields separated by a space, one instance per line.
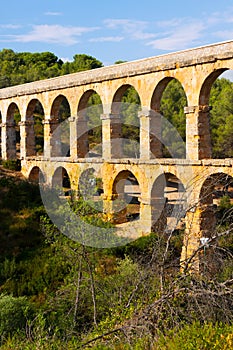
x=168 y=201
x=216 y=106
x=89 y=128
x=126 y=192
x=207 y=85
x=34 y=128
x=158 y=92
x=13 y=137
x=216 y=196
x=36 y=175
x=168 y=120
x=61 y=180
x=60 y=140
x=126 y=105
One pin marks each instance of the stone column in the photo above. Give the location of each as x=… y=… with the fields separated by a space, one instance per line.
x=115 y=208
x=150 y=134
x=153 y=214
x=27 y=139
x=159 y=214
x=8 y=139
x=198 y=140
x=108 y=207
x=145 y=215
x=191 y=240
x=82 y=137
x=200 y=222
x=111 y=136
x=73 y=138
x=51 y=147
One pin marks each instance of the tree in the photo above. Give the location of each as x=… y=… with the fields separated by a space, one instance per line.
x=81 y=62
x=221 y=118
x=23 y=67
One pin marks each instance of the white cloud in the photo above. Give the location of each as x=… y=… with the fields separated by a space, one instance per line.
x=126 y=24
x=180 y=37
x=10 y=26
x=50 y=13
x=224 y=34
x=133 y=29
x=107 y=39
x=174 y=22
x=56 y=34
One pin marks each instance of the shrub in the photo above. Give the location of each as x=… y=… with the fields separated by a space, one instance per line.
x=205 y=336
x=13 y=314
x=12 y=164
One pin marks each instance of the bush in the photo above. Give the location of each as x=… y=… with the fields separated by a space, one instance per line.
x=12 y=164
x=205 y=336
x=13 y=314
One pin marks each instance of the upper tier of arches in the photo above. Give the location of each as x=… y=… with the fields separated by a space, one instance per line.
x=69 y=102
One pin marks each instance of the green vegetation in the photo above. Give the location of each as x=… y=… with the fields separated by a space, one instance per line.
x=221 y=121
x=56 y=293
x=11 y=164
x=23 y=67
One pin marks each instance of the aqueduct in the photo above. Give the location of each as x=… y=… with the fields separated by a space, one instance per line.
x=189 y=178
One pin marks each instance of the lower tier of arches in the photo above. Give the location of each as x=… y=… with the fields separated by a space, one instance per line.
x=143 y=197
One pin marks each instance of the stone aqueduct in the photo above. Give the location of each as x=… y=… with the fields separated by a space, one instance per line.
x=195 y=69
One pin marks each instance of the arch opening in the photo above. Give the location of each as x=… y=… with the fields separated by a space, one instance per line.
x=215 y=218
x=217 y=92
x=169 y=99
x=216 y=202
x=34 y=128
x=90 y=186
x=36 y=176
x=13 y=137
x=60 y=127
x=61 y=181
x=126 y=192
x=169 y=203
x=90 y=110
x=126 y=104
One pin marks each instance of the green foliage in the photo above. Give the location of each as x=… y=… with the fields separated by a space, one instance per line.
x=93 y=112
x=119 y=62
x=19 y=68
x=224 y=212
x=23 y=67
x=198 y=336
x=221 y=119
x=172 y=108
x=20 y=210
x=81 y=62
x=12 y=164
x=130 y=128
x=13 y=314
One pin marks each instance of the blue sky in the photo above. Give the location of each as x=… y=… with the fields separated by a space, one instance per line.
x=113 y=30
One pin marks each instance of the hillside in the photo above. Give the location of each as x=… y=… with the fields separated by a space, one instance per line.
x=130 y=297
